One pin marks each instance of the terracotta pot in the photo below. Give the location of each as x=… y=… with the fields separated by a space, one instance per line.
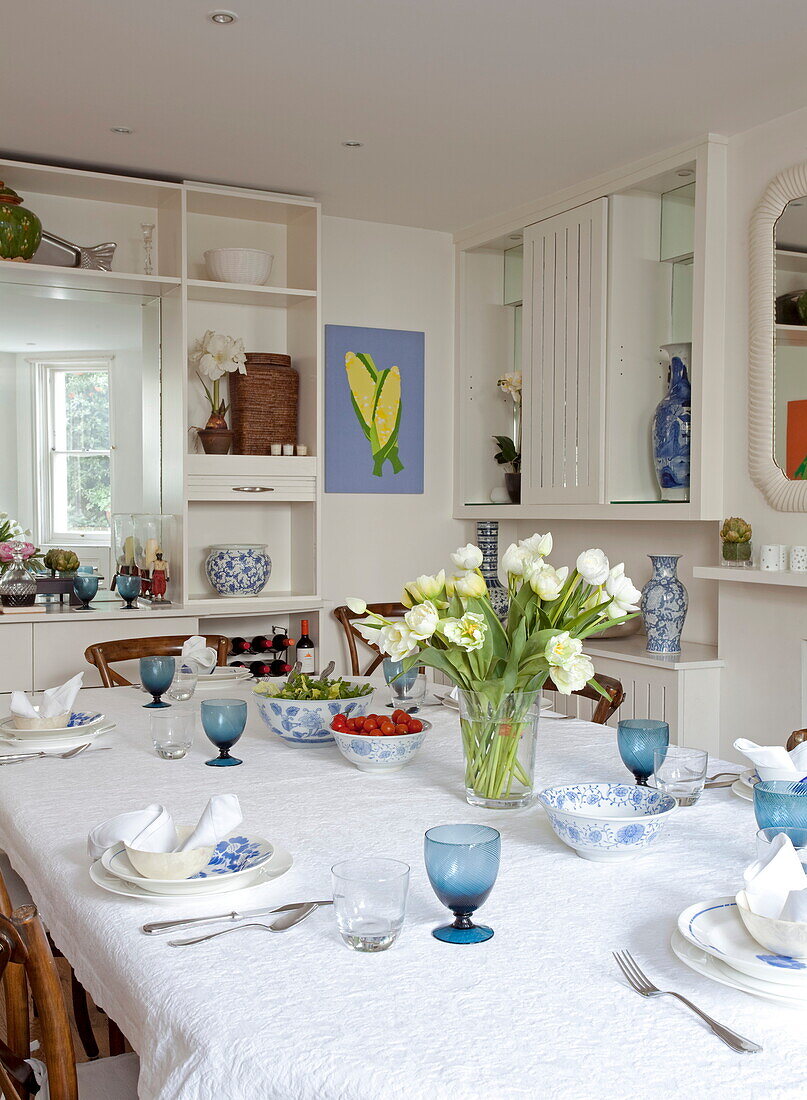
x=216 y=441
x=512 y=482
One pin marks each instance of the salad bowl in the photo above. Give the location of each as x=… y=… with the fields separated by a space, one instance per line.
x=307 y=721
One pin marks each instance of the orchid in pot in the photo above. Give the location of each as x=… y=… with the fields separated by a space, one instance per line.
x=450 y=625
x=214 y=356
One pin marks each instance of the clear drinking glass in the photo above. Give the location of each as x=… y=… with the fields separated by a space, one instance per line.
x=766 y=837
x=369 y=901
x=407 y=688
x=172 y=733
x=183 y=685
x=681 y=773
x=638 y=740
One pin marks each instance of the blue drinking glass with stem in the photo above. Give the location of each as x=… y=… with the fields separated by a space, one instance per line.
x=156 y=676
x=638 y=740
x=406 y=687
x=779 y=804
x=462 y=862
x=223 y=721
x=128 y=587
x=85 y=586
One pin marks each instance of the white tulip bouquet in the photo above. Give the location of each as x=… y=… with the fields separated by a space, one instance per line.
x=450 y=625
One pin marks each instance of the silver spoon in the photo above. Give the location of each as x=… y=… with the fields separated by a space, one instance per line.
x=282 y=925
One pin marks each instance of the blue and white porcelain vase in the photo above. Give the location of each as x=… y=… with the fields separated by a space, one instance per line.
x=671 y=426
x=664 y=605
x=238 y=570
x=487 y=539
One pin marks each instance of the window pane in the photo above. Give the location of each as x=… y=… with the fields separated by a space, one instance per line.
x=81 y=493
x=81 y=410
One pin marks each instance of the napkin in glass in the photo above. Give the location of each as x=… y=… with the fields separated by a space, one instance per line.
x=55 y=701
x=776 y=885
x=198 y=655
x=152 y=829
x=774 y=761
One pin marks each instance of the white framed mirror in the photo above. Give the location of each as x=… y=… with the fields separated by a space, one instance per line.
x=777 y=378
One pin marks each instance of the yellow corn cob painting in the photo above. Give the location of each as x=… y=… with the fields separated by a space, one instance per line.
x=376 y=398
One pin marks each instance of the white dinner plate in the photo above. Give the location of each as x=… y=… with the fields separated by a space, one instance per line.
x=749 y=778
x=251 y=853
x=80 y=721
x=742 y=791
x=716 y=927
x=278 y=865
x=713 y=968
x=10 y=745
x=221 y=676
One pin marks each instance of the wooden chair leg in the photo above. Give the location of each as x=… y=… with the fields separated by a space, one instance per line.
x=81 y=1016
x=117 y=1043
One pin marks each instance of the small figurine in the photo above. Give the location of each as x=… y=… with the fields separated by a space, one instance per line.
x=159 y=579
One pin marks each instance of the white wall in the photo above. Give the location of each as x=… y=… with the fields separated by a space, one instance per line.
x=8 y=437
x=387 y=276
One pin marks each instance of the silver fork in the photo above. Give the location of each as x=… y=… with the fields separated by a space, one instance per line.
x=639 y=981
x=22 y=757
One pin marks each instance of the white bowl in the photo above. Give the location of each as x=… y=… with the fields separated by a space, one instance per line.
x=783 y=937
x=57 y=722
x=239 y=265
x=607 y=821
x=306 y=721
x=778 y=775
x=380 y=754
x=170 y=866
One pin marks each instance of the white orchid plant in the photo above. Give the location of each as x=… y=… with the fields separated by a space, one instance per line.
x=214 y=356
x=450 y=625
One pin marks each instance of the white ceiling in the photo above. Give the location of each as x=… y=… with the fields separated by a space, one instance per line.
x=466 y=107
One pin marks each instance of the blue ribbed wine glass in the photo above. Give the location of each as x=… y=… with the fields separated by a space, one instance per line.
x=85 y=587
x=780 y=805
x=639 y=739
x=223 y=721
x=462 y=862
x=128 y=587
x=156 y=674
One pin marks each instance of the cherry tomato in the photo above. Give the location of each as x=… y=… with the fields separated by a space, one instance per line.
x=415 y=725
x=339 y=723
x=369 y=724
x=401 y=728
x=399 y=716
x=351 y=724
x=387 y=727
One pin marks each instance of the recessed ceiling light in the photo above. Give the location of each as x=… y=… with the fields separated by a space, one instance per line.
x=516 y=236
x=353 y=144
x=121 y=129
x=222 y=17
x=686 y=172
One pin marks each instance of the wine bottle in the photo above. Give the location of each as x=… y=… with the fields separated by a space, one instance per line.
x=281 y=640
x=237 y=664
x=260 y=644
x=260 y=668
x=279 y=667
x=239 y=646
x=306 y=650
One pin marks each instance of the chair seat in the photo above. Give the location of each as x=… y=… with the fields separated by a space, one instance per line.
x=17 y=890
x=109 y=1078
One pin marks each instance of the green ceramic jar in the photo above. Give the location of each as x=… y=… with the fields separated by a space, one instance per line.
x=20 y=229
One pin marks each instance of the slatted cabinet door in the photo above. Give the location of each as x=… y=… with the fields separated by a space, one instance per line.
x=565 y=261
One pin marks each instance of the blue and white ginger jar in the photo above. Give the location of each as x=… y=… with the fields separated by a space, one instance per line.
x=238 y=569
x=671 y=427
x=664 y=605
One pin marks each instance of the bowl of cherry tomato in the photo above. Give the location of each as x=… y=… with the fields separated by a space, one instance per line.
x=379 y=742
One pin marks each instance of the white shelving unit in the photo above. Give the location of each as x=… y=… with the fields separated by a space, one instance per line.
x=750 y=576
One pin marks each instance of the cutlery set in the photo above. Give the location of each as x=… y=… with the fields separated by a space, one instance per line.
x=291 y=915
x=20 y=758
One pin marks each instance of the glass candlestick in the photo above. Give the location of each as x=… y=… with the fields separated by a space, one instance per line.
x=147 y=229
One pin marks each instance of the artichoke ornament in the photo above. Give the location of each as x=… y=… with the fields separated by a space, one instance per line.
x=735 y=534
x=61 y=561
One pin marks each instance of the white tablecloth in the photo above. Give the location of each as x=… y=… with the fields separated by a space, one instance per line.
x=538 y=1011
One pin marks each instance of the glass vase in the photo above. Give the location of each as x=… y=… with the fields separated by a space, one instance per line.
x=736 y=555
x=17 y=584
x=498 y=740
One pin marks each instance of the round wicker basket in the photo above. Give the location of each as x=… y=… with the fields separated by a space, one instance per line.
x=264 y=403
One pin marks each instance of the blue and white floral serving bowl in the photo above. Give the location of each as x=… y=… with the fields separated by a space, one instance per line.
x=606 y=821
x=307 y=721
x=238 y=570
x=380 y=754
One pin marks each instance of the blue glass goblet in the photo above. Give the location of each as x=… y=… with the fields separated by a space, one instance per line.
x=223 y=721
x=638 y=740
x=462 y=862
x=780 y=805
x=156 y=675
x=85 y=587
x=128 y=587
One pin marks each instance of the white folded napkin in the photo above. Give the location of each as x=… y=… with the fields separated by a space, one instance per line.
x=152 y=829
x=771 y=882
x=198 y=655
x=774 y=761
x=58 y=700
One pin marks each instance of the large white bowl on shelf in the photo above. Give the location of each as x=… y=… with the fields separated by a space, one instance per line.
x=239 y=265
x=607 y=821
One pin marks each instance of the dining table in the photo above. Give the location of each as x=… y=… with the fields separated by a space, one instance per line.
x=539 y=1010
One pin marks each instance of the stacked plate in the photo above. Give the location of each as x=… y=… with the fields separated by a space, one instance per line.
x=712 y=940
x=744 y=786
x=238 y=863
x=222 y=676
x=81 y=728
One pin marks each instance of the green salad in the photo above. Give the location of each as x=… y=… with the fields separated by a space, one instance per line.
x=306 y=687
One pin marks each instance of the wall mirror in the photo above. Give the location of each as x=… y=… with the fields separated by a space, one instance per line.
x=778 y=342
x=80 y=395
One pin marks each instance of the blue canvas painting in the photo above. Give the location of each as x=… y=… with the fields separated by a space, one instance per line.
x=374 y=379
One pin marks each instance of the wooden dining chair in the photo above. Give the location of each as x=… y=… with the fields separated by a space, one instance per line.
x=605 y=707
x=103 y=654
x=27 y=964
x=347 y=619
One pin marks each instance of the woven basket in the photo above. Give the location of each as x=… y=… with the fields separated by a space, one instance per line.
x=264 y=403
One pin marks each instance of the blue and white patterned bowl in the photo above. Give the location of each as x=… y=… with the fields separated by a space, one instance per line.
x=19 y=727
x=380 y=754
x=307 y=721
x=231 y=864
x=238 y=570
x=606 y=821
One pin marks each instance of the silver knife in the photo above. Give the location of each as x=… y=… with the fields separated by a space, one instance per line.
x=156 y=928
